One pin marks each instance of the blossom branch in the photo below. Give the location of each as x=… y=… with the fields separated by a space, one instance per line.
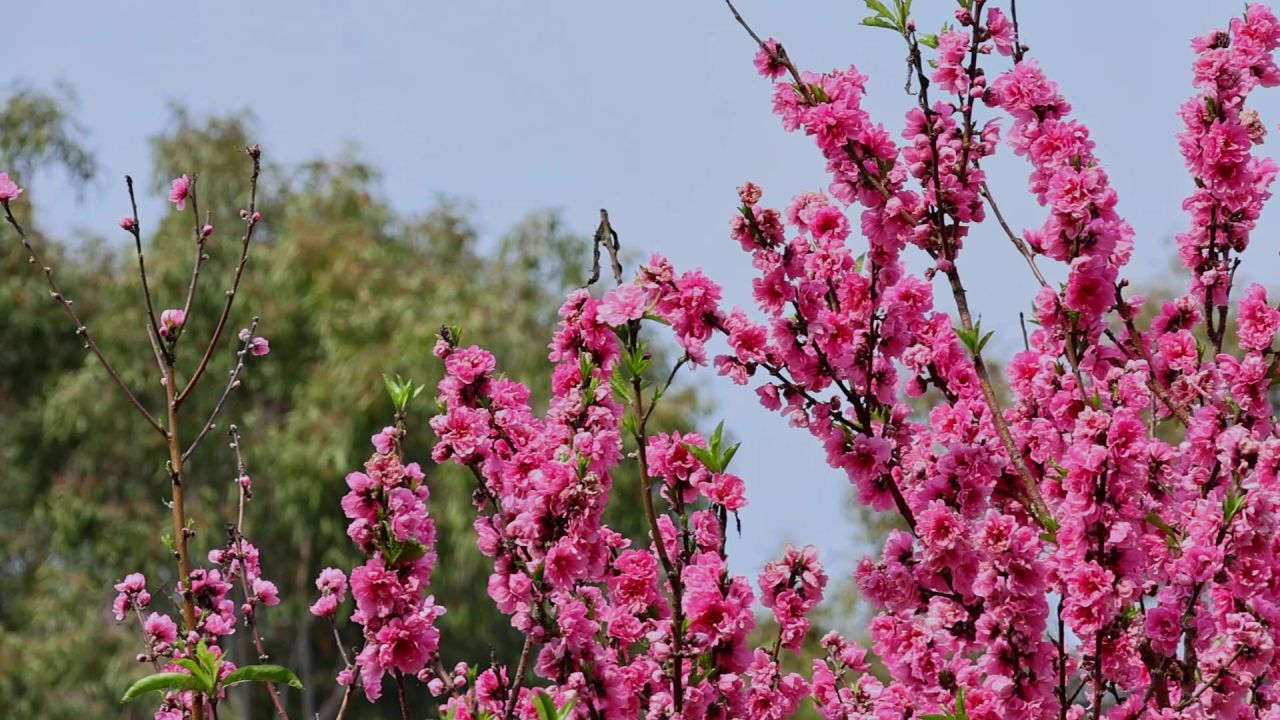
x=238 y=542
x=232 y=383
x=200 y=257
x=135 y=229
x=251 y=218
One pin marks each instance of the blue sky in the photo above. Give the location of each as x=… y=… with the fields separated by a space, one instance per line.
x=651 y=109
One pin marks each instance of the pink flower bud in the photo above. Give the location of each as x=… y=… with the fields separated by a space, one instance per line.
x=206 y=231
x=127 y=223
x=171 y=321
x=257 y=216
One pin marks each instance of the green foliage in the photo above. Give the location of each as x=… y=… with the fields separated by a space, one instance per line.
x=715 y=456
x=263 y=674
x=547 y=709
x=973 y=339
x=895 y=19
x=402 y=391
x=202 y=676
x=166 y=682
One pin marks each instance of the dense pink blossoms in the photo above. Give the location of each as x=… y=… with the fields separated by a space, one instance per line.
x=1060 y=559
x=1100 y=542
x=386 y=505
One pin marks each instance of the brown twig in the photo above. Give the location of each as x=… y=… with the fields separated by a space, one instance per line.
x=779 y=54
x=1017 y=241
x=81 y=330
x=251 y=223
x=402 y=696
x=178 y=509
x=197 y=263
x=135 y=229
x=608 y=237
x=646 y=496
x=513 y=691
x=251 y=614
x=232 y=383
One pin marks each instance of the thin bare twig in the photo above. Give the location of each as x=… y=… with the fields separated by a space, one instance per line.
x=513 y=692
x=135 y=229
x=608 y=237
x=251 y=614
x=82 y=331
x=233 y=382
x=1017 y=241
x=251 y=223
x=197 y=263
x=777 y=53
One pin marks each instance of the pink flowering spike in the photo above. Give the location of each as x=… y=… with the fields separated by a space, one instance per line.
x=179 y=191
x=8 y=188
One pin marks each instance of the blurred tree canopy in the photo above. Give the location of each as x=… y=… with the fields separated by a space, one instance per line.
x=348 y=289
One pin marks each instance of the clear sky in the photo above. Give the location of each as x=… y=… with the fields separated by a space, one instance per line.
x=650 y=109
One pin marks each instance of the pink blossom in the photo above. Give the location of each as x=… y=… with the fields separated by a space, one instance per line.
x=1257 y=321
x=179 y=191
x=768 y=60
x=171 y=322
x=621 y=305
x=8 y=188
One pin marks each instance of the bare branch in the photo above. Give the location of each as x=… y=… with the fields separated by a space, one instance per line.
x=81 y=329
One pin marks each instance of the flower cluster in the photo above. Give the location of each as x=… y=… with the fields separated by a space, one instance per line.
x=1231 y=183
x=386 y=506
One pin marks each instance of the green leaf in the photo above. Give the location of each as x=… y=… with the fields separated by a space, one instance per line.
x=278 y=674
x=1232 y=504
x=877 y=22
x=545 y=706
x=1160 y=523
x=716 y=435
x=209 y=662
x=703 y=454
x=983 y=342
x=401 y=391
x=621 y=389
x=879 y=8
x=728 y=455
x=162 y=682
x=929 y=41
x=904 y=13
x=206 y=680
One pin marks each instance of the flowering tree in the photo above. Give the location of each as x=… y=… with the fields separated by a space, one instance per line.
x=1061 y=559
